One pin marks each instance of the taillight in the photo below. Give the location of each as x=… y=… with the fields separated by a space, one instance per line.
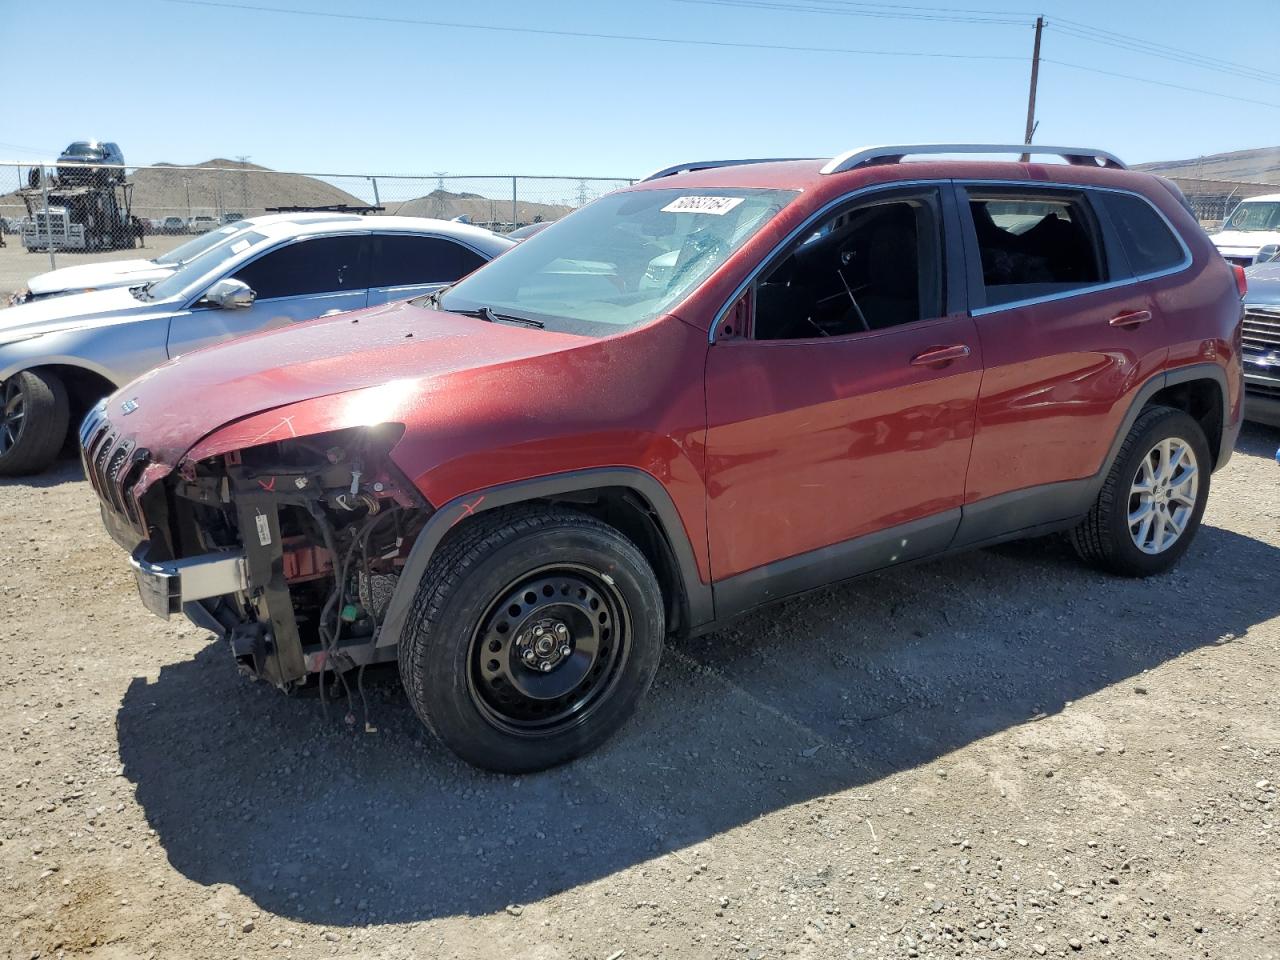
x=1242 y=282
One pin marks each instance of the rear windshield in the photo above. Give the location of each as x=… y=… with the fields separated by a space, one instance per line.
x=620 y=261
x=183 y=280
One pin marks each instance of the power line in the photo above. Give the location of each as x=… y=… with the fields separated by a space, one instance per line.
x=1160 y=83
x=730 y=44
x=582 y=34
x=876 y=11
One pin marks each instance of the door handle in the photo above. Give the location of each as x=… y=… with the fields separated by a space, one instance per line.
x=1131 y=318
x=940 y=356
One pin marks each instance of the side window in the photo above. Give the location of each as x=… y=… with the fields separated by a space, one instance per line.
x=869 y=267
x=402 y=261
x=319 y=265
x=1033 y=246
x=1144 y=236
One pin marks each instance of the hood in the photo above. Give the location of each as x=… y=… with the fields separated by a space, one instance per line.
x=75 y=311
x=93 y=276
x=1244 y=239
x=371 y=366
x=1264 y=285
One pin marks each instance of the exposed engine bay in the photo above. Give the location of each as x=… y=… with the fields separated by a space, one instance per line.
x=325 y=525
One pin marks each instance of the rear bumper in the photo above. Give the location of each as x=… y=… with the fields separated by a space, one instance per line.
x=166 y=586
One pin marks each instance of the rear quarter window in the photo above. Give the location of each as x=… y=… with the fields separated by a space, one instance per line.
x=1146 y=239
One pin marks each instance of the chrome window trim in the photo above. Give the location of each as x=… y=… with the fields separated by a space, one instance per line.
x=807 y=224
x=1185 y=264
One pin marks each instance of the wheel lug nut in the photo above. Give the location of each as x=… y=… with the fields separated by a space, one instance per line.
x=565 y=651
x=528 y=656
x=546 y=667
x=537 y=631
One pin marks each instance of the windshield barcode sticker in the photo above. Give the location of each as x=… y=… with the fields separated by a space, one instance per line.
x=717 y=206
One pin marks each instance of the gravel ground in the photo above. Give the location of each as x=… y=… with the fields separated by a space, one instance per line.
x=18 y=265
x=1001 y=753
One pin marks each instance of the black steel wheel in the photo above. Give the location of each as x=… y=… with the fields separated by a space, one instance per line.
x=534 y=634
x=548 y=649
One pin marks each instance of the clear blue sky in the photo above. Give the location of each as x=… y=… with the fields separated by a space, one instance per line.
x=181 y=83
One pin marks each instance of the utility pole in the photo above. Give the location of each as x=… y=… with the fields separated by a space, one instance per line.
x=1035 y=79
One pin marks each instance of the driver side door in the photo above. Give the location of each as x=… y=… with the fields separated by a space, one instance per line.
x=300 y=280
x=839 y=430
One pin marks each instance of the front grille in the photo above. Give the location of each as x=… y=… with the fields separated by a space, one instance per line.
x=1261 y=330
x=109 y=464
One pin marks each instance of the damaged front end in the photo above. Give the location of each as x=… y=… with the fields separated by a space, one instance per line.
x=290 y=550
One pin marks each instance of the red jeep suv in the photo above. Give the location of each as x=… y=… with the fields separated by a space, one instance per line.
x=725 y=385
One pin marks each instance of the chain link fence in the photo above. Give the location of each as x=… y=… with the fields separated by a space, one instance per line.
x=75 y=209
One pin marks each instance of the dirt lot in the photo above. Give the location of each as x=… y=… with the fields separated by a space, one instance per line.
x=1001 y=753
x=18 y=265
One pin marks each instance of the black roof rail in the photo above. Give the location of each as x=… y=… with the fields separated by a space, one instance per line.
x=712 y=164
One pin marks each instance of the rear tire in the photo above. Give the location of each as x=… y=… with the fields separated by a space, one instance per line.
x=533 y=636
x=1150 y=505
x=34 y=415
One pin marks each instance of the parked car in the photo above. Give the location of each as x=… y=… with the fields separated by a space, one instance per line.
x=232 y=217
x=790 y=374
x=86 y=277
x=173 y=225
x=202 y=224
x=529 y=229
x=1253 y=224
x=91 y=161
x=1261 y=341
x=59 y=356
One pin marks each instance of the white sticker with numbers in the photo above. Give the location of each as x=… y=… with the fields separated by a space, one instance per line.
x=716 y=206
x=264 y=529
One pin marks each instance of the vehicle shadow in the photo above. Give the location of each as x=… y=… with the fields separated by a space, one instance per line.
x=317 y=820
x=64 y=470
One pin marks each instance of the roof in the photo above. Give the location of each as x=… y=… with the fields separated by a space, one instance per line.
x=1270 y=197
x=285 y=225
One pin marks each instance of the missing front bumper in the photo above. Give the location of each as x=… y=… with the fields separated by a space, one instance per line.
x=165 y=586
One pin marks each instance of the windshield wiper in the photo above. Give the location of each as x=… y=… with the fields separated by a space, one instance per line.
x=493 y=317
x=489 y=315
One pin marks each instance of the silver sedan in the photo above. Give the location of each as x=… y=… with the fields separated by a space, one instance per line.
x=59 y=355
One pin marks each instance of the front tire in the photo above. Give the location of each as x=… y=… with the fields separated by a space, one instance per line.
x=34 y=415
x=533 y=636
x=1150 y=505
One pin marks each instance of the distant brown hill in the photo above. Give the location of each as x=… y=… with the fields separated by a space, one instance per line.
x=244 y=188
x=446 y=205
x=1246 y=166
x=218 y=186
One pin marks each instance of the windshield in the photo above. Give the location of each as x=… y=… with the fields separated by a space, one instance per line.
x=193 y=248
x=620 y=261
x=192 y=272
x=1256 y=216
x=86 y=150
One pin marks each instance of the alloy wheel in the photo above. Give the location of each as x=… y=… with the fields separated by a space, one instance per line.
x=548 y=650
x=12 y=414
x=1162 y=496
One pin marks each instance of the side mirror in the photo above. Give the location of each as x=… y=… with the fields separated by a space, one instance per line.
x=229 y=294
x=1268 y=253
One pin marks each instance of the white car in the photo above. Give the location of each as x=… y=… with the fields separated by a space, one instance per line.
x=1253 y=224
x=60 y=355
x=86 y=277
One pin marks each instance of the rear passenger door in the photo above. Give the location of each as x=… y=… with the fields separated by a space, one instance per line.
x=406 y=265
x=301 y=280
x=1068 y=335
